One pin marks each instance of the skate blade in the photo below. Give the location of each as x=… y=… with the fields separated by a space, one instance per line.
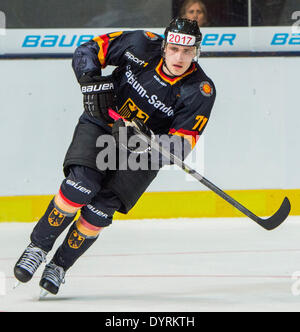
x=43 y=294
x=17 y=283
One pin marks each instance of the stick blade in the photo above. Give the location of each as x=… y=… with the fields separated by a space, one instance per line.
x=278 y=218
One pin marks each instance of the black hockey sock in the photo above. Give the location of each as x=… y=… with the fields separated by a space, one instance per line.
x=50 y=226
x=74 y=246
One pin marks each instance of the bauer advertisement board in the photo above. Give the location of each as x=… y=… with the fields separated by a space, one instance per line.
x=63 y=42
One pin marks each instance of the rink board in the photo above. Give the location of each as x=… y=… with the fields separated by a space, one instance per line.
x=191 y=204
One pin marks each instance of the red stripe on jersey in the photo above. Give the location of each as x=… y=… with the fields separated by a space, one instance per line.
x=191 y=136
x=103 y=42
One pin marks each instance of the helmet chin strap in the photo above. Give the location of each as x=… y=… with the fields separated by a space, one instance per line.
x=165 y=64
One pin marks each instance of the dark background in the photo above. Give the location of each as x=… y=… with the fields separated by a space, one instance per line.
x=140 y=13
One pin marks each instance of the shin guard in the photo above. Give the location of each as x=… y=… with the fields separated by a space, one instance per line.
x=80 y=237
x=50 y=226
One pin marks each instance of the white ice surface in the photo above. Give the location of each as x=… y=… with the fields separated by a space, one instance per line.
x=166 y=265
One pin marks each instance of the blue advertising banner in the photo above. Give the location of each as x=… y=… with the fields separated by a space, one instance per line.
x=63 y=42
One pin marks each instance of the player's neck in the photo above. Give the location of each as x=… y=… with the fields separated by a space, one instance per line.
x=166 y=71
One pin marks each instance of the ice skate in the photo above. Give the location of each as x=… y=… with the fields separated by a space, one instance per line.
x=53 y=276
x=28 y=263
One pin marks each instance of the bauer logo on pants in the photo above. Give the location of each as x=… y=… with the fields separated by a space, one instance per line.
x=75 y=240
x=55 y=218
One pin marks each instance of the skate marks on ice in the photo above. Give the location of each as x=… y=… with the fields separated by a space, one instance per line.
x=202 y=294
x=165 y=265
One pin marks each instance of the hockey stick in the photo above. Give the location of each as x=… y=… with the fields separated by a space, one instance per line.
x=270 y=223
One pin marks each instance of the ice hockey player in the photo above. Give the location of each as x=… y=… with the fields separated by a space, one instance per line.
x=157 y=85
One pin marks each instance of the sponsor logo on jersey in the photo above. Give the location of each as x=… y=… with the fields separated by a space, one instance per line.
x=130 y=111
x=75 y=240
x=136 y=60
x=55 y=218
x=206 y=89
x=153 y=99
x=159 y=80
x=150 y=35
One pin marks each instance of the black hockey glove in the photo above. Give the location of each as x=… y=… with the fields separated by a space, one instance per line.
x=129 y=131
x=98 y=95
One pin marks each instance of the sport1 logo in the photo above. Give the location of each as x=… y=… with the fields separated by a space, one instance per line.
x=296 y=25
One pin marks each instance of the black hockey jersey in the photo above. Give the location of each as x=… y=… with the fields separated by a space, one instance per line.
x=176 y=106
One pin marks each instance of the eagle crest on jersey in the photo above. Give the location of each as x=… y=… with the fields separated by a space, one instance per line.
x=130 y=111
